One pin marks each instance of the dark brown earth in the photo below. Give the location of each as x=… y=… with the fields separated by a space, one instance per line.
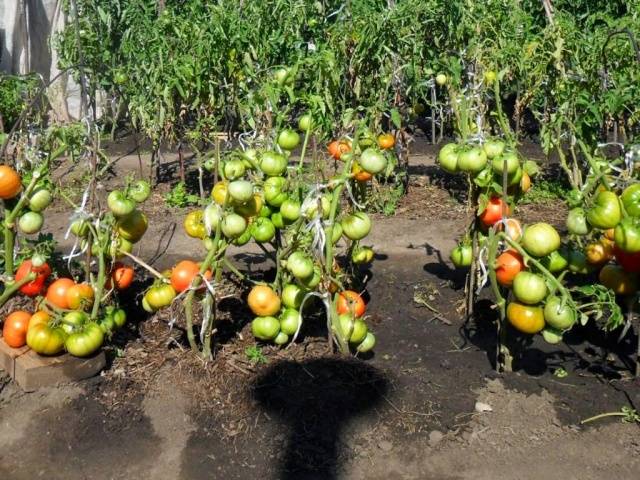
x=408 y=411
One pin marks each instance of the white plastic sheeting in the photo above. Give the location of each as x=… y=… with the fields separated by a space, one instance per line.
x=27 y=28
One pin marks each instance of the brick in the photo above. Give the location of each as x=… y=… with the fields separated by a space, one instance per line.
x=8 y=356
x=33 y=371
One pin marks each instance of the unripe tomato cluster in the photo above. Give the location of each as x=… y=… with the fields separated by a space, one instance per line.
x=486 y=163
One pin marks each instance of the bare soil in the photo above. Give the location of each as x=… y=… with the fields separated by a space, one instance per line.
x=426 y=405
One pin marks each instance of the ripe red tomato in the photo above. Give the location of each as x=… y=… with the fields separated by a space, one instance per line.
x=122 y=276
x=183 y=274
x=36 y=286
x=57 y=292
x=350 y=302
x=493 y=212
x=15 y=327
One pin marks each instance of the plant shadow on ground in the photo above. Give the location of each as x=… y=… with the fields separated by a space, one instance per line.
x=316 y=399
x=584 y=348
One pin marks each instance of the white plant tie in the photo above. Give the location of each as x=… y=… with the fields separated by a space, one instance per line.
x=352 y=198
x=325 y=299
x=484 y=271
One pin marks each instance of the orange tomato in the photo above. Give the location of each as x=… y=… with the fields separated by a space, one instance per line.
x=608 y=234
x=183 y=274
x=263 y=301
x=525 y=318
x=15 y=328
x=493 y=212
x=338 y=147
x=80 y=296
x=10 y=184
x=39 y=318
x=513 y=229
x=525 y=182
x=598 y=253
x=359 y=174
x=122 y=276
x=508 y=265
x=386 y=141
x=350 y=302
x=57 y=292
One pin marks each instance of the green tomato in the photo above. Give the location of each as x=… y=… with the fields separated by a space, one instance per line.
x=288 y=139
x=529 y=288
x=46 y=340
x=512 y=161
x=305 y=122
x=281 y=339
x=119 y=204
x=241 y=240
x=74 y=320
x=241 y=191
x=133 y=226
x=313 y=281
x=551 y=335
x=274 y=191
x=140 y=191
x=86 y=341
x=559 y=316
x=336 y=232
x=556 y=261
x=367 y=344
x=448 y=157
x=265 y=328
x=362 y=255
x=630 y=199
x=300 y=265
x=462 y=255
x=472 y=160
x=292 y=296
x=356 y=226
x=277 y=220
x=290 y=319
x=160 y=296
x=358 y=328
x=494 y=148
x=290 y=210
x=373 y=161
x=80 y=228
x=627 y=234
x=605 y=212
x=40 y=199
x=234 y=169
x=577 y=222
x=273 y=164
x=540 y=239
x=30 y=222
x=263 y=230
x=233 y=225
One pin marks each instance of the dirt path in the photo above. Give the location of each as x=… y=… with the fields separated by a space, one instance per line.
x=408 y=412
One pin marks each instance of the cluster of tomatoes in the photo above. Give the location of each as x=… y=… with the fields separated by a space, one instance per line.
x=30 y=218
x=60 y=321
x=261 y=197
x=609 y=228
x=486 y=163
